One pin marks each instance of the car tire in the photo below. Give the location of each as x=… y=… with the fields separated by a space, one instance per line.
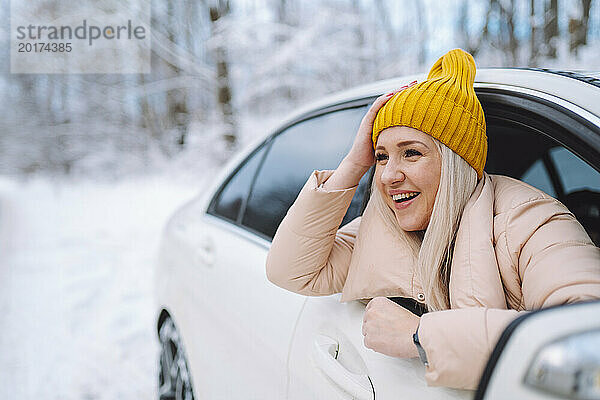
x=174 y=380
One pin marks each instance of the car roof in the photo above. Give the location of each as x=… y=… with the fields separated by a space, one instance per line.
x=579 y=88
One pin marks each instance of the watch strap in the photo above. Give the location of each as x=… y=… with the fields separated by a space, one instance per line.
x=420 y=349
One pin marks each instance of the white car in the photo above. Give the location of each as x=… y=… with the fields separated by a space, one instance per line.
x=226 y=332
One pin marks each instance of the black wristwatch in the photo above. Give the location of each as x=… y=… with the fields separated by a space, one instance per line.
x=420 y=348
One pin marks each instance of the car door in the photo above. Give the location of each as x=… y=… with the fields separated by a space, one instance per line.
x=241 y=351
x=235 y=350
x=240 y=325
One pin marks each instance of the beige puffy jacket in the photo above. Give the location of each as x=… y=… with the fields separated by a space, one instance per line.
x=516 y=249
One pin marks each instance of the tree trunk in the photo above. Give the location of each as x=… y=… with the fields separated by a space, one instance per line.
x=505 y=37
x=177 y=112
x=147 y=118
x=513 y=44
x=578 y=27
x=533 y=50
x=470 y=43
x=221 y=9
x=282 y=8
x=551 y=27
x=422 y=38
x=360 y=44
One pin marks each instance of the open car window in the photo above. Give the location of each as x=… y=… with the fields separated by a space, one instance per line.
x=543 y=145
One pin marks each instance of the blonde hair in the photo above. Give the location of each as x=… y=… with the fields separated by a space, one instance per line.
x=433 y=250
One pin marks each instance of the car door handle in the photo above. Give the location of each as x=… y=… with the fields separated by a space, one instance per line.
x=325 y=354
x=200 y=245
x=205 y=251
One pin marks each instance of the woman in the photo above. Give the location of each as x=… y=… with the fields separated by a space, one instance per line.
x=473 y=250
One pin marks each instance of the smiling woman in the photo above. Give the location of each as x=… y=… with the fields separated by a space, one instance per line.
x=444 y=181
x=475 y=250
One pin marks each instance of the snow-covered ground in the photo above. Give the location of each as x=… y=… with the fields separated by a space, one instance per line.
x=76 y=285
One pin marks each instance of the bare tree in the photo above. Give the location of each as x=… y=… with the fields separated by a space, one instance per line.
x=550 y=27
x=533 y=45
x=474 y=41
x=218 y=10
x=578 y=26
x=360 y=41
x=177 y=111
x=282 y=14
x=422 y=33
x=503 y=37
x=508 y=17
x=147 y=114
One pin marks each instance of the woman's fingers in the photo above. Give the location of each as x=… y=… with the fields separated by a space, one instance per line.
x=361 y=153
x=378 y=103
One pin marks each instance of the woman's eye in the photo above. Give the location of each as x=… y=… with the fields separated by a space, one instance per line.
x=380 y=157
x=411 y=152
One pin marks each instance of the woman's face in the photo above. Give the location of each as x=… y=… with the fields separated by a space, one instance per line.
x=407 y=174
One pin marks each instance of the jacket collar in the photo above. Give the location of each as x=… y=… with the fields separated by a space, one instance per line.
x=382 y=264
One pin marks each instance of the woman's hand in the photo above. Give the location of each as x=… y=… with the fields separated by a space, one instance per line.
x=361 y=156
x=388 y=328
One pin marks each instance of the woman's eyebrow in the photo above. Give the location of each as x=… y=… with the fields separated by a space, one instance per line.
x=403 y=143
x=407 y=142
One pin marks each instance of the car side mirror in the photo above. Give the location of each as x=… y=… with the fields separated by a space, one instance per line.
x=547 y=354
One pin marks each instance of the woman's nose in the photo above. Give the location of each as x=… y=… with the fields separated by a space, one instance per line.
x=391 y=174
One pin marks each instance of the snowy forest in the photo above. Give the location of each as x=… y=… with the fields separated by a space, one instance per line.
x=218 y=67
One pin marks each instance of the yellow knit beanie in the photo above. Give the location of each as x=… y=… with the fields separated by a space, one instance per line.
x=444 y=106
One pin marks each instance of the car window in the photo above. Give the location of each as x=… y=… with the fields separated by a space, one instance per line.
x=522 y=152
x=315 y=144
x=231 y=198
x=574 y=173
x=581 y=187
x=577 y=185
x=537 y=175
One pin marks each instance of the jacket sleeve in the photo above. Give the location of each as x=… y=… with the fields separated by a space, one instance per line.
x=309 y=255
x=557 y=264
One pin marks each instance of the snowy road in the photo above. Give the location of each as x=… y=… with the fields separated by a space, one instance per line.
x=76 y=305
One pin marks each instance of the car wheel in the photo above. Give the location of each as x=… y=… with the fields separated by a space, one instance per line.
x=174 y=380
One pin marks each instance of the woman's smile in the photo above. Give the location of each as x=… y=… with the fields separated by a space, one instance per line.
x=402 y=201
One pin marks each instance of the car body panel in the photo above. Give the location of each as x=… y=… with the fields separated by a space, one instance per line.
x=528 y=338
